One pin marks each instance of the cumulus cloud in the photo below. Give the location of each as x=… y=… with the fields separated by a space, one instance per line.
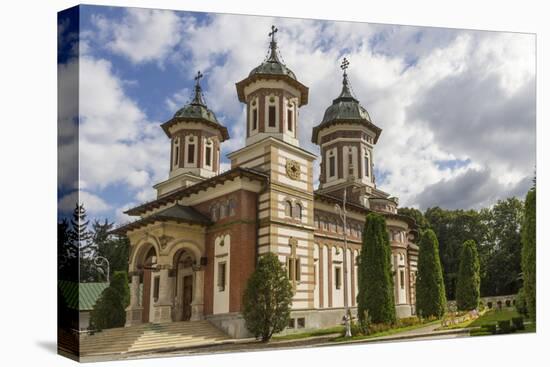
x=93 y=203
x=464 y=98
x=142 y=35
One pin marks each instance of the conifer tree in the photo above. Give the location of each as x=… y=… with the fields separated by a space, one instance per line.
x=267 y=298
x=110 y=309
x=467 y=287
x=376 y=290
x=529 y=252
x=430 y=287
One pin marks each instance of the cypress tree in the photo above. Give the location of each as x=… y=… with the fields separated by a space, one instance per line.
x=376 y=292
x=430 y=287
x=467 y=287
x=110 y=309
x=529 y=252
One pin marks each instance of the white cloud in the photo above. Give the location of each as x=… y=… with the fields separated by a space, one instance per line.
x=439 y=95
x=142 y=35
x=93 y=203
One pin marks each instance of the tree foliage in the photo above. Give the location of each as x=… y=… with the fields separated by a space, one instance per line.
x=529 y=253
x=267 y=298
x=467 y=286
x=376 y=292
x=430 y=287
x=110 y=309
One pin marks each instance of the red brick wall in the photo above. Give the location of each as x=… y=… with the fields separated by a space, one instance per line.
x=242 y=229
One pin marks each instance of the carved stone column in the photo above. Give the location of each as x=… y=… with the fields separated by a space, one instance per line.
x=163 y=307
x=134 y=309
x=198 y=295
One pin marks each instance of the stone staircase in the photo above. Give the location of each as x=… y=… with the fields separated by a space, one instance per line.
x=151 y=337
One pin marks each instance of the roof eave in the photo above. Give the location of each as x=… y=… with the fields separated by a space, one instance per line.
x=304 y=91
x=222 y=129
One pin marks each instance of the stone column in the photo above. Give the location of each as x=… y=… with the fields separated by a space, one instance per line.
x=134 y=309
x=163 y=307
x=198 y=295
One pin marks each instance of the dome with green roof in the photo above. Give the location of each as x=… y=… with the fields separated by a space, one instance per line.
x=196 y=110
x=345 y=109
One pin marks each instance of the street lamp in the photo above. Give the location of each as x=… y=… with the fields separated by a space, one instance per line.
x=343 y=216
x=98 y=261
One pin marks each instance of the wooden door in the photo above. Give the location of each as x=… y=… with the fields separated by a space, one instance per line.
x=187 y=296
x=146 y=296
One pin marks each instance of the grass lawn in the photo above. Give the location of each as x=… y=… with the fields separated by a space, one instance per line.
x=387 y=332
x=309 y=334
x=493 y=316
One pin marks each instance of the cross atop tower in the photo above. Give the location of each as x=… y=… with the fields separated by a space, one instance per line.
x=197 y=99
x=198 y=77
x=272 y=33
x=344 y=65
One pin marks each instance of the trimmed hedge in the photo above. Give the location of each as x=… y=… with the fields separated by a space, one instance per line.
x=518 y=323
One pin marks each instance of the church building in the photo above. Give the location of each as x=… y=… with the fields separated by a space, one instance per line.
x=194 y=247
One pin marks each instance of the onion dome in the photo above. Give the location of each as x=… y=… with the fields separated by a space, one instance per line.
x=196 y=111
x=345 y=109
x=273 y=68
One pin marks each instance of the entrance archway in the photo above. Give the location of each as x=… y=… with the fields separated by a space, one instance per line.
x=150 y=285
x=183 y=285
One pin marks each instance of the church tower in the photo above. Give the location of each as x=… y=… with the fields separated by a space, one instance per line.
x=195 y=138
x=347 y=136
x=272 y=95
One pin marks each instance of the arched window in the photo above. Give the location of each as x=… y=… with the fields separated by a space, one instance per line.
x=223 y=210
x=208 y=153
x=176 y=151
x=232 y=206
x=215 y=212
x=331 y=164
x=191 y=147
x=288 y=208
x=367 y=163
x=297 y=211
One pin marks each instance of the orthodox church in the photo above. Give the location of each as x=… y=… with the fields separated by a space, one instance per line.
x=194 y=247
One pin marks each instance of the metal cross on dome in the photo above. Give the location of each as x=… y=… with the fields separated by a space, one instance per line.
x=198 y=77
x=272 y=33
x=345 y=64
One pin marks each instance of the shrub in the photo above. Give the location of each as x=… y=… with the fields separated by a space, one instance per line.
x=491 y=328
x=467 y=288
x=504 y=327
x=110 y=309
x=267 y=298
x=408 y=321
x=521 y=302
x=518 y=323
x=430 y=287
x=375 y=275
x=379 y=328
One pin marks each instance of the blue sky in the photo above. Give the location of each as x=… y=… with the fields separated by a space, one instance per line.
x=456 y=107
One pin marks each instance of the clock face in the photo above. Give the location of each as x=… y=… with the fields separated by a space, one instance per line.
x=292 y=169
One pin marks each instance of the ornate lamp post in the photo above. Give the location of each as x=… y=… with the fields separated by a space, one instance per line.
x=343 y=216
x=99 y=261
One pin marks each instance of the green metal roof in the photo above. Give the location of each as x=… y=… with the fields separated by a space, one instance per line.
x=81 y=296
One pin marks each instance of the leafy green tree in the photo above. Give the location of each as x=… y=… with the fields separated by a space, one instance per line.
x=417 y=215
x=529 y=253
x=502 y=260
x=113 y=247
x=110 y=309
x=267 y=298
x=430 y=287
x=452 y=229
x=521 y=303
x=467 y=287
x=375 y=281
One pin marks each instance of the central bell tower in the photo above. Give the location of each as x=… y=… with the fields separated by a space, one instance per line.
x=272 y=95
